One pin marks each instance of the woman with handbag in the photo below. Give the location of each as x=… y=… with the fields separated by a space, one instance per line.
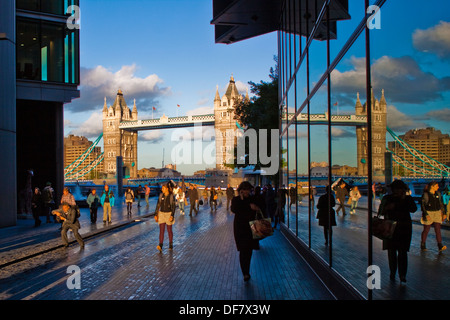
x=398 y=207
x=244 y=208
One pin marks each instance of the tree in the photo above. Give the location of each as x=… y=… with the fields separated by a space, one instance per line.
x=260 y=112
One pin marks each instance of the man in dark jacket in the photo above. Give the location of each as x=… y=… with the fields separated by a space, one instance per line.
x=230 y=195
x=341 y=193
x=68 y=216
x=193 y=200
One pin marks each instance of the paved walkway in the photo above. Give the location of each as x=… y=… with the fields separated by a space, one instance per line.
x=120 y=261
x=125 y=265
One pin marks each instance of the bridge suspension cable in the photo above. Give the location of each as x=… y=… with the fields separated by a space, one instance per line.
x=69 y=170
x=438 y=168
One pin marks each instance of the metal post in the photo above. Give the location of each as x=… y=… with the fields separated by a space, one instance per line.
x=369 y=145
x=119 y=175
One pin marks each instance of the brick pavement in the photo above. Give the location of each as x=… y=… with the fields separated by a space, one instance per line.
x=204 y=265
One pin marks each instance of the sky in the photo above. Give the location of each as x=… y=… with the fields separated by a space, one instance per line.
x=163 y=54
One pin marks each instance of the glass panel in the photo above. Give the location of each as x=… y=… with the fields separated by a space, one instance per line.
x=52 y=46
x=32 y=5
x=28 y=50
x=320 y=240
x=53 y=6
x=71 y=57
x=48 y=6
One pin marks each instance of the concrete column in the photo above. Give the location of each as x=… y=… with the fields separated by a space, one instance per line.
x=8 y=170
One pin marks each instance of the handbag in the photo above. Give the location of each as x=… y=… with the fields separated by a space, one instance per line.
x=383 y=228
x=261 y=227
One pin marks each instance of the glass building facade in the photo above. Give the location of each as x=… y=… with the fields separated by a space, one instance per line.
x=311 y=125
x=47 y=49
x=39 y=63
x=346 y=68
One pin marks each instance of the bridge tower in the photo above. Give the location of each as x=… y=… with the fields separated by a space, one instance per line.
x=379 y=117
x=117 y=142
x=224 y=120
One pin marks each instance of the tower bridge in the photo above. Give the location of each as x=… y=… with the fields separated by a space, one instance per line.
x=121 y=126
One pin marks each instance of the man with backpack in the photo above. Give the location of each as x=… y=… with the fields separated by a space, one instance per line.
x=48 y=200
x=69 y=217
x=107 y=201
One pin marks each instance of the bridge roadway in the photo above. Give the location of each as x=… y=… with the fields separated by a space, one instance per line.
x=120 y=262
x=209 y=120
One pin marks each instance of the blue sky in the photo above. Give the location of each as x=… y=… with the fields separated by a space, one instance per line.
x=162 y=53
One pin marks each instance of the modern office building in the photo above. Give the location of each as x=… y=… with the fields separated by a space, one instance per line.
x=308 y=59
x=39 y=63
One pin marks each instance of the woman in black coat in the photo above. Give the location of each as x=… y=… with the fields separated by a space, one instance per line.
x=398 y=207
x=326 y=213
x=244 y=207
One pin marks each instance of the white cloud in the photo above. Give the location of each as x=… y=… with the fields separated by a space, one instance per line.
x=152 y=136
x=402 y=78
x=341 y=133
x=91 y=128
x=100 y=82
x=200 y=111
x=401 y=122
x=435 y=39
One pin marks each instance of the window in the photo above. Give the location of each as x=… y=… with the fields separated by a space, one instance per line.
x=47 y=6
x=47 y=52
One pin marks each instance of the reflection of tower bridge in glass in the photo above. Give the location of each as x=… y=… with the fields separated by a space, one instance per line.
x=121 y=125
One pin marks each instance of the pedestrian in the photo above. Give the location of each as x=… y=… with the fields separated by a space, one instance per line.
x=139 y=192
x=181 y=198
x=205 y=196
x=48 y=198
x=193 y=200
x=432 y=214
x=165 y=215
x=326 y=213
x=107 y=201
x=147 y=195
x=271 y=204
x=292 y=196
x=281 y=203
x=312 y=200
x=37 y=206
x=446 y=201
x=341 y=193
x=230 y=194
x=68 y=197
x=244 y=208
x=68 y=216
x=129 y=198
x=398 y=206
x=213 y=199
x=355 y=195
x=93 y=201
x=219 y=196
x=260 y=200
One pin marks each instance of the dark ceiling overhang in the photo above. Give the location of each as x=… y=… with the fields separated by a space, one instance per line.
x=237 y=20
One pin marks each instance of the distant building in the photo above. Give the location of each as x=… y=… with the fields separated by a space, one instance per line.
x=378 y=143
x=118 y=142
x=429 y=141
x=75 y=146
x=158 y=173
x=337 y=170
x=224 y=123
